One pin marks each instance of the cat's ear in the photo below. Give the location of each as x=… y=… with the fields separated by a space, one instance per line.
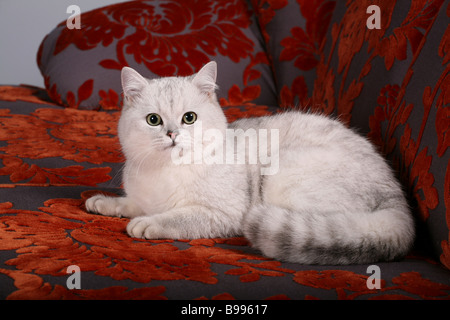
x=132 y=82
x=205 y=79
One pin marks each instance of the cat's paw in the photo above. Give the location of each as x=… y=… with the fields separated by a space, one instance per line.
x=144 y=228
x=113 y=206
x=103 y=205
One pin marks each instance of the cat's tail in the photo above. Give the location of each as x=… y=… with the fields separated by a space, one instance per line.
x=384 y=234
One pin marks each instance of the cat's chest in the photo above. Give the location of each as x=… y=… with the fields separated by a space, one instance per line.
x=159 y=191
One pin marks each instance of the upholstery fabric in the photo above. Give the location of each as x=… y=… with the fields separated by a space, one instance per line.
x=54 y=158
x=59 y=145
x=392 y=84
x=81 y=67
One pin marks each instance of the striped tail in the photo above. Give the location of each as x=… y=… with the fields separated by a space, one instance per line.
x=384 y=234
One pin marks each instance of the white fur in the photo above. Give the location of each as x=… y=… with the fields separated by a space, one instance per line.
x=334 y=199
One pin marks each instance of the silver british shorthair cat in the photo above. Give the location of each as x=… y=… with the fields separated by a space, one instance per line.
x=300 y=187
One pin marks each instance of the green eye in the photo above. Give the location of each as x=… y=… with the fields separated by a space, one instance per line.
x=189 y=117
x=154 y=119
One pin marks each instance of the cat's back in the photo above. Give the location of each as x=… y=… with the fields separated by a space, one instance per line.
x=301 y=129
x=321 y=150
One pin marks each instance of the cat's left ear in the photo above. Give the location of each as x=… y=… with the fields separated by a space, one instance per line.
x=205 y=79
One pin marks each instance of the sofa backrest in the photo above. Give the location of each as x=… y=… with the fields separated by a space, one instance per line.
x=383 y=68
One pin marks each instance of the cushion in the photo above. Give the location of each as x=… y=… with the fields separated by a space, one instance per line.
x=392 y=84
x=81 y=67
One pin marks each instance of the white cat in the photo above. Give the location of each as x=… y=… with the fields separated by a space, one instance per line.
x=332 y=200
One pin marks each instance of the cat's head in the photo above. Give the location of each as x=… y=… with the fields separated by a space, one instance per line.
x=161 y=114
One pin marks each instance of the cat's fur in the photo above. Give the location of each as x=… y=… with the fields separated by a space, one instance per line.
x=334 y=200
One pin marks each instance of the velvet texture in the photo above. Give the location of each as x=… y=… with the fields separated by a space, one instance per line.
x=59 y=146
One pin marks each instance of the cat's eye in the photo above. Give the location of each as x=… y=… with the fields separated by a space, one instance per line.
x=154 y=119
x=189 y=117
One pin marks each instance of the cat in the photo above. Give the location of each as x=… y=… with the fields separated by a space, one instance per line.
x=331 y=200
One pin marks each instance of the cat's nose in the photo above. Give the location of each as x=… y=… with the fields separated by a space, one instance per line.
x=172 y=134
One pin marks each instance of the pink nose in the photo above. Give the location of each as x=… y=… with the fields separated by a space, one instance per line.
x=171 y=134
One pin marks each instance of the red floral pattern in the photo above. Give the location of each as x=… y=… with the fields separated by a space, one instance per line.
x=61 y=234
x=55 y=232
x=154 y=36
x=306 y=45
x=162 y=39
x=339 y=63
x=23 y=93
x=75 y=135
x=392 y=84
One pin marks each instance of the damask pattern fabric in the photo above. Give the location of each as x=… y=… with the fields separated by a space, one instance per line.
x=390 y=83
x=81 y=67
x=54 y=158
x=59 y=146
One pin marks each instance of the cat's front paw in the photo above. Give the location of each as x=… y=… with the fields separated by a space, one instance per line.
x=144 y=228
x=102 y=205
x=113 y=206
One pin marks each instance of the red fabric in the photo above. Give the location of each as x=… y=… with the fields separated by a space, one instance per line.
x=374 y=80
x=391 y=84
x=200 y=34
x=44 y=248
x=159 y=39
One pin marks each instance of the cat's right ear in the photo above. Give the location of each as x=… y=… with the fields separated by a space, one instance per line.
x=132 y=82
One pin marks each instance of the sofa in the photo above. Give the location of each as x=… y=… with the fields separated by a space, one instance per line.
x=382 y=67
